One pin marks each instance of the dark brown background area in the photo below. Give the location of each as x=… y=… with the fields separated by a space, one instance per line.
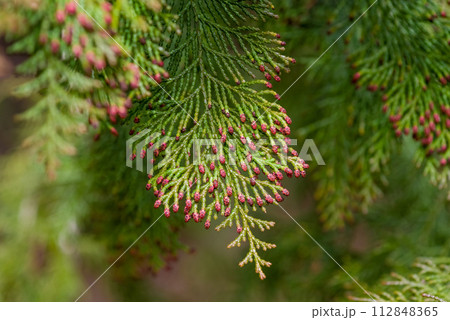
x=9 y=105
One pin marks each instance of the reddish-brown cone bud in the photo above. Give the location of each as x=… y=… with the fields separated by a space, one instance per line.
x=167 y=212
x=71 y=8
x=60 y=16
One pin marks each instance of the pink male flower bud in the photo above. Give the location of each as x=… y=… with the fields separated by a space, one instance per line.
x=259 y=201
x=167 y=212
x=77 y=51
x=54 y=46
x=269 y=199
x=85 y=22
x=278 y=197
x=196 y=217
x=60 y=16
x=71 y=8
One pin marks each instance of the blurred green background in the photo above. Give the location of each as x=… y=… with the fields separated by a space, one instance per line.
x=57 y=237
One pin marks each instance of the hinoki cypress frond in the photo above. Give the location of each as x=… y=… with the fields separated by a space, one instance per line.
x=177 y=73
x=89 y=59
x=214 y=94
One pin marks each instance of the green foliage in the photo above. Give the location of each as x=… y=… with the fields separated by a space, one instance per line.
x=38 y=229
x=79 y=70
x=411 y=69
x=82 y=72
x=397 y=229
x=119 y=212
x=430 y=282
x=207 y=56
x=77 y=225
x=213 y=94
x=402 y=68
